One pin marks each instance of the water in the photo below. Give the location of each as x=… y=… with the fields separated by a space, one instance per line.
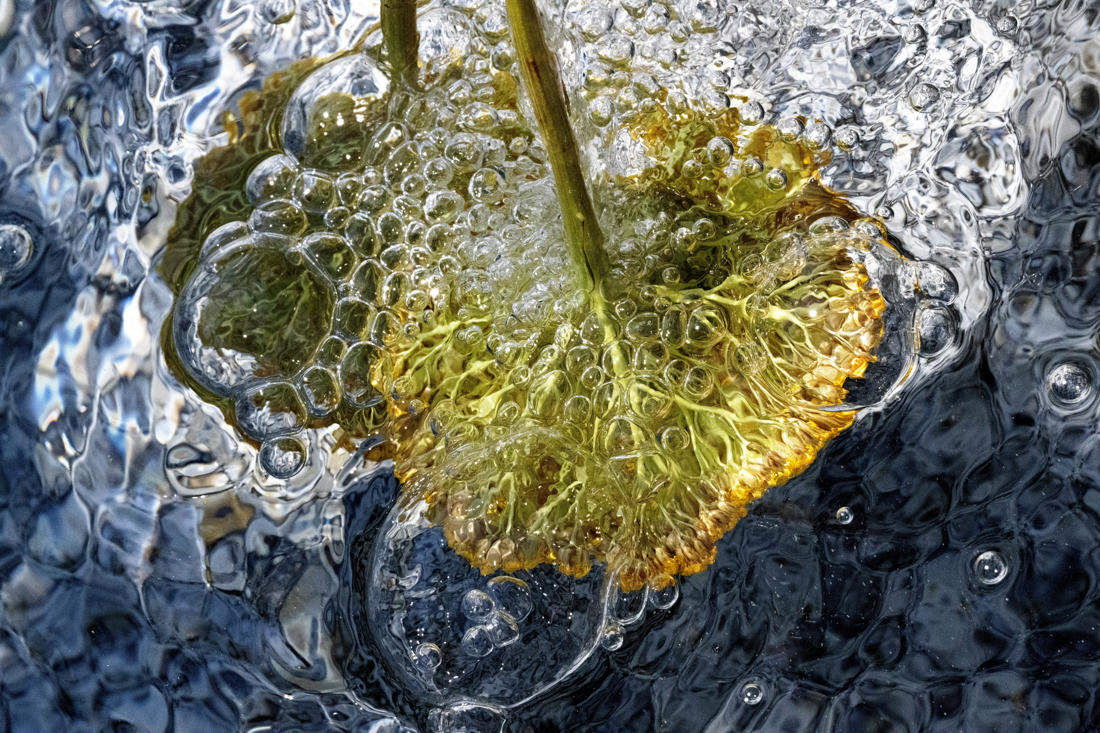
x=931 y=570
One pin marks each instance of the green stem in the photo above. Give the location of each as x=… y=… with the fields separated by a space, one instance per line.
x=544 y=87
x=401 y=39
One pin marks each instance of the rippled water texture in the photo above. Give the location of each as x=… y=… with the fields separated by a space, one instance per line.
x=935 y=569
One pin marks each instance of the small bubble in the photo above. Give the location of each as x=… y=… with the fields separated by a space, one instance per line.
x=718 y=79
x=314 y=191
x=751 y=113
x=487 y=186
x=692 y=169
x=751 y=167
x=615 y=49
x=612 y=637
x=592 y=377
x=512 y=596
x=464 y=152
x=1007 y=24
x=704 y=229
x=601 y=111
x=1069 y=384
x=923 y=96
x=845 y=515
x=504 y=629
x=427 y=658
x=477 y=605
x=817 y=135
x=935 y=329
x=663 y=592
x=915 y=33
x=751 y=692
x=15 y=248
x=272 y=178
x=477 y=641
x=990 y=567
x=673 y=439
x=828 y=225
x=789 y=128
x=846 y=138
x=719 y=151
x=748 y=358
x=628 y=607
x=776 y=179
x=283 y=457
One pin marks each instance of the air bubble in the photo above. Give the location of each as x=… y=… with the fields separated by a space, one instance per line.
x=443 y=206
x=915 y=33
x=673 y=439
x=663 y=592
x=789 y=128
x=512 y=595
x=487 y=186
x=464 y=152
x=314 y=191
x=692 y=169
x=990 y=567
x=628 y=607
x=503 y=629
x=748 y=358
x=704 y=229
x=272 y=178
x=923 y=96
x=845 y=515
x=846 y=138
x=477 y=641
x=1069 y=384
x=751 y=113
x=321 y=390
x=438 y=172
x=751 y=692
x=828 y=225
x=615 y=49
x=936 y=282
x=15 y=248
x=270 y=411
x=283 y=458
x=751 y=167
x=776 y=179
x=935 y=329
x=278 y=217
x=477 y=605
x=426 y=658
x=613 y=636
x=719 y=151
x=817 y=135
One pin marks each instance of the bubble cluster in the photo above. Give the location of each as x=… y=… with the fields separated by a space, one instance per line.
x=400 y=263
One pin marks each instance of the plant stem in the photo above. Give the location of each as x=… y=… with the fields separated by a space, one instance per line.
x=401 y=39
x=544 y=87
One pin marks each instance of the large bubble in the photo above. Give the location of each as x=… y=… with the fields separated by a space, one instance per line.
x=455 y=636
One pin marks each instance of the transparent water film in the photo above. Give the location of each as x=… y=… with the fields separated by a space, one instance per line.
x=455 y=636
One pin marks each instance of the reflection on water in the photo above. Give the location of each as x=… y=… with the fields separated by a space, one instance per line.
x=934 y=568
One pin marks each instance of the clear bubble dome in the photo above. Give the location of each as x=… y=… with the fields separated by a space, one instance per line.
x=498 y=640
